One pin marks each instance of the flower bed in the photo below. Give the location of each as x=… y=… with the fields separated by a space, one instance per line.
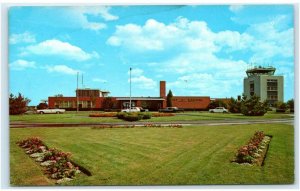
x=112 y=126
x=57 y=163
x=121 y=115
x=255 y=150
x=159 y=125
x=162 y=114
x=149 y=125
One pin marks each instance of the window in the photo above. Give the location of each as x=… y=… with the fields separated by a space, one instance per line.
x=251 y=88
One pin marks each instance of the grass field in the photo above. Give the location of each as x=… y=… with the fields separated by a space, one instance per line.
x=83 y=117
x=192 y=155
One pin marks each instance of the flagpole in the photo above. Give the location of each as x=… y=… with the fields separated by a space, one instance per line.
x=77 y=94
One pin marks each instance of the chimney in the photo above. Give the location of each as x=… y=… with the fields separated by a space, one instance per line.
x=162 y=88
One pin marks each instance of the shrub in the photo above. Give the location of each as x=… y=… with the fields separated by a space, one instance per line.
x=121 y=115
x=217 y=103
x=147 y=115
x=281 y=107
x=290 y=104
x=42 y=106
x=234 y=106
x=253 y=107
x=132 y=117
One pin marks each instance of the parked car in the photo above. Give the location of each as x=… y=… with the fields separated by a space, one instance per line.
x=143 y=110
x=133 y=109
x=218 y=110
x=46 y=111
x=171 y=110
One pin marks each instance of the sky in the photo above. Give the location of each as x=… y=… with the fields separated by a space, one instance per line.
x=198 y=50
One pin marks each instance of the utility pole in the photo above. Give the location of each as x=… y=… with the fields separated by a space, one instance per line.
x=77 y=101
x=130 y=90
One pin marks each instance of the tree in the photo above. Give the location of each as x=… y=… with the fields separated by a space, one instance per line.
x=253 y=106
x=216 y=103
x=280 y=106
x=17 y=104
x=169 y=99
x=42 y=106
x=290 y=104
x=234 y=106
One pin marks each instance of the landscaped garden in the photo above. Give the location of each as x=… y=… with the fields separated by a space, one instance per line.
x=191 y=155
x=84 y=117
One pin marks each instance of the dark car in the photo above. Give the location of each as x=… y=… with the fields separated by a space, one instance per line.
x=171 y=110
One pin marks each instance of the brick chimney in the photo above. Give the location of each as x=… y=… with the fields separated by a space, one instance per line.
x=162 y=89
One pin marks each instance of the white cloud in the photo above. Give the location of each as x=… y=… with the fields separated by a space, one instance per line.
x=236 y=8
x=62 y=69
x=59 y=48
x=136 y=72
x=205 y=84
x=140 y=81
x=99 y=80
x=25 y=37
x=188 y=35
x=80 y=15
x=277 y=41
x=22 y=64
x=144 y=82
x=207 y=59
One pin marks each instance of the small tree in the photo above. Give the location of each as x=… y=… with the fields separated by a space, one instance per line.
x=17 y=104
x=217 y=103
x=253 y=106
x=290 y=104
x=169 y=99
x=234 y=106
x=42 y=106
x=281 y=106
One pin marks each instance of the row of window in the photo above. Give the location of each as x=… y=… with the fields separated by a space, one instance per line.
x=72 y=104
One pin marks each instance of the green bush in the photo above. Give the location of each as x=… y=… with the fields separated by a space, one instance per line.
x=133 y=116
x=281 y=106
x=253 y=106
x=147 y=116
x=121 y=115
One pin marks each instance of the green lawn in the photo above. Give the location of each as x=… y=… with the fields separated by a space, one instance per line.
x=83 y=117
x=192 y=155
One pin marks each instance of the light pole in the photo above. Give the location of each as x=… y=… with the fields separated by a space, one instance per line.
x=77 y=94
x=130 y=90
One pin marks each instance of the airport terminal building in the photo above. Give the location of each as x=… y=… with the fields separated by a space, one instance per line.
x=94 y=99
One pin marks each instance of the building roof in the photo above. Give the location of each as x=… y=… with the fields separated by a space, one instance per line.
x=87 y=89
x=140 y=98
x=260 y=71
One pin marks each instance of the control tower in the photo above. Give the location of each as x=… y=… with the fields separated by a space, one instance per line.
x=262 y=82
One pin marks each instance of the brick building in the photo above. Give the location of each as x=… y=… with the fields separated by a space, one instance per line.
x=95 y=99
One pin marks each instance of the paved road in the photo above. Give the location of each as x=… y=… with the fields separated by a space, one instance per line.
x=203 y=122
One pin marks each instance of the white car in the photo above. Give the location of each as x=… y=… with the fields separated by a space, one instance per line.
x=46 y=111
x=133 y=109
x=218 y=110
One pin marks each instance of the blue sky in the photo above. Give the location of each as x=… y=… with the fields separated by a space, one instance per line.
x=199 y=50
